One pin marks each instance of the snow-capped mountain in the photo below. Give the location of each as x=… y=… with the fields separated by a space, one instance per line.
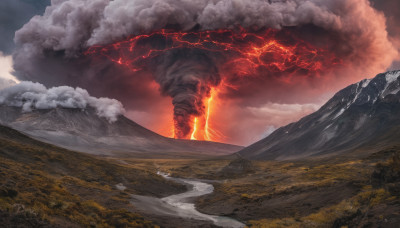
x=361 y=116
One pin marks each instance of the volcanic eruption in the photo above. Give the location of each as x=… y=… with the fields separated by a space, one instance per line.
x=202 y=54
x=189 y=65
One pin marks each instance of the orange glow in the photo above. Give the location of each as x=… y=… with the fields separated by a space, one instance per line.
x=241 y=54
x=206 y=129
x=247 y=52
x=202 y=129
x=192 y=137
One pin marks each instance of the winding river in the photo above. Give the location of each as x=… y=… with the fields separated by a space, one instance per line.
x=182 y=205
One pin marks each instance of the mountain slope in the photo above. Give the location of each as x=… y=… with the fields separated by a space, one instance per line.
x=42 y=185
x=365 y=114
x=83 y=130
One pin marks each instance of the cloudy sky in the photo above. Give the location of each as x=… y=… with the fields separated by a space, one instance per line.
x=14 y=14
x=244 y=115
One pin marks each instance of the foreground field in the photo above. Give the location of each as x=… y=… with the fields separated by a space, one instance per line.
x=45 y=186
x=309 y=193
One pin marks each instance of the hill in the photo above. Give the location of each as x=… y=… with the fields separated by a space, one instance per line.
x=46 y=186
x=362 y=117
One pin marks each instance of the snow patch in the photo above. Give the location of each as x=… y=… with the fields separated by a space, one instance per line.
x=392 y=76
x=339 y=113
x=365 y=83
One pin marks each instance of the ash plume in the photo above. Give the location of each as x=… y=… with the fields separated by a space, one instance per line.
x=50 y=49
x=30 y=96
x=187 y=76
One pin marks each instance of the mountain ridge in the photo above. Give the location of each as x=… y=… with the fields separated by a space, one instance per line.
x=83 y=130
x=363 y=114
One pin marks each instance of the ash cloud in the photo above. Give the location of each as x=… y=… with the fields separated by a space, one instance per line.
x=69 y=26
x=187 y=76
x=49 y=47
x=30 y=96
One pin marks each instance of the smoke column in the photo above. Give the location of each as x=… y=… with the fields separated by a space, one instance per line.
x=348 y=41
x=187 y=75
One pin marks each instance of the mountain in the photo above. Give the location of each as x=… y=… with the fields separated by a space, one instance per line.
x=42 y=185
x=84 y=130
x=364 y=115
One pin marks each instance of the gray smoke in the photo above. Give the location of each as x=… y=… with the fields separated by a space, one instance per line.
x=30 y=96
x=69 y=26
x=50 y=46
x=187 y=76
x=72 y=24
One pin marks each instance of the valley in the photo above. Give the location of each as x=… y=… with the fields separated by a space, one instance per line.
x=337 y=167
x=305 y=193
x=200 y=114
x=48 y=186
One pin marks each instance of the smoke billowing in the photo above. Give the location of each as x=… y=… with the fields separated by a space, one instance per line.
x=187 y=76
x=51 y=47
x=29 y=96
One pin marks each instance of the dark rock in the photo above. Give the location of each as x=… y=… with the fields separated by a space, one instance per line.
x=358 y=119
x=237 y=167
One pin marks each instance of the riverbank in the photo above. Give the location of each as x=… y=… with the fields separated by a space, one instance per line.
x=181 y=206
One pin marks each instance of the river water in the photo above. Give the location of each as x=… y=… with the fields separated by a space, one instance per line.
x=182 y=205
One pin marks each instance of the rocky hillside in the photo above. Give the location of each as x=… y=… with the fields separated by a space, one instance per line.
x=83 y=130
x=46 y=186
x=363 y=115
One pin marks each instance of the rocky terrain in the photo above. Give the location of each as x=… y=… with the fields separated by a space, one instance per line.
x=313 y=192
x=363 y=116
x=83 y=130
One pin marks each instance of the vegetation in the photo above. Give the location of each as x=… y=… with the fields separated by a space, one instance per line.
x=308 y=193
x=43 y=185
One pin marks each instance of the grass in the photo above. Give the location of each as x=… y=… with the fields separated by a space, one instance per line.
x=44 y=184
x=306 y=193
x=326 y=217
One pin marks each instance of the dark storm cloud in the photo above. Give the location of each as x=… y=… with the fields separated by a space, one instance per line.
x=69 y=26
x=13 y=15
x=49 y=47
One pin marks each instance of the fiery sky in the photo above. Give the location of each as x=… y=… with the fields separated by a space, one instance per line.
x=264 y=63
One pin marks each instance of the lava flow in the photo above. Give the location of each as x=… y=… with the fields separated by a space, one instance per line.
x=235 y=54
x=202 y=129
x=255 y=49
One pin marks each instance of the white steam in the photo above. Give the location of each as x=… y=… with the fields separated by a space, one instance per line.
x=6 y=78
x=30 y=96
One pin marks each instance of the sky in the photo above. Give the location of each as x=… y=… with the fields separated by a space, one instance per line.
x=14 y=14
x=242 y=116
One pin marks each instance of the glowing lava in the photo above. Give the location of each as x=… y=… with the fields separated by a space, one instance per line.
x=207 y=127
x=201 y=125
x=238 y=54
x=245 y=52
x=193 y=137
